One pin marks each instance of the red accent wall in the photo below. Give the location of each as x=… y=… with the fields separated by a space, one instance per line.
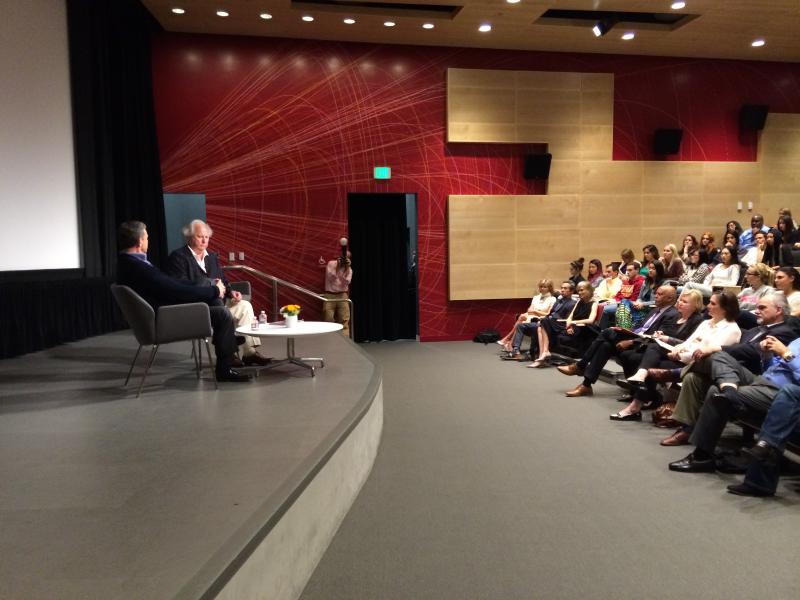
x=276 y=133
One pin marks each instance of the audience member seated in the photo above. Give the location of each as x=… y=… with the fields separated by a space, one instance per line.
x=747 y=238
x=756 y=253
x=724 y=274
x=647 y=295
x=577 y=331
x=649 y=254
x=735 y=389
x=787 y=281
x=195 y=264
x=560 y=310
x=673 y=265
x=732 y=244
x=707 y=244
x=735 y=228
x=576 y=271
x=771 y=313
x=689 y=244
x=788 y=229
x=758 y=278
x=627 y=257
x=697 y=268
x=783 y=419
x=615 y=340
x=632 y=283
x=609 y=286
x=595 y=273
x=720 y=330
x=541 y=305
x=652 y=356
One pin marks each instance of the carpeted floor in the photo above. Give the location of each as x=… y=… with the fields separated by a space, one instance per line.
x=491 y=484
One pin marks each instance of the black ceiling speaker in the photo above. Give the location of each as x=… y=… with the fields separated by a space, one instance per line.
x=667 y=141
x=753 y=117
x=537 y=166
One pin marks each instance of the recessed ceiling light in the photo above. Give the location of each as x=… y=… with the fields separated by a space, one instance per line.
x=757 y=43
x=222 y=13
x=485 y=27
x=428 y=25
x=389 y=23
x=678 y=5
x=307 y=18
x=513 y=1
x=178 y=11
x=349 y=21
x=628 y=36
x=265 y=16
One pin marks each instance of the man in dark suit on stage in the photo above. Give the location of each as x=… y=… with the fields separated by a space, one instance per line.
x=158 y=289
x=195 y=264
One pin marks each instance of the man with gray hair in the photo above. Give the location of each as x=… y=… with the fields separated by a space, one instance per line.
x=194 y=263
x=771 y=312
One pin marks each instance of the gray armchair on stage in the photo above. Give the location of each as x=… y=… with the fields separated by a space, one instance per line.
x=175 y=323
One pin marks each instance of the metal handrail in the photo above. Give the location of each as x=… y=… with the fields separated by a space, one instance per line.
x=277 y=281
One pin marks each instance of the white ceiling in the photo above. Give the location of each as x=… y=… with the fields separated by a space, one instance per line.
x=723 y=28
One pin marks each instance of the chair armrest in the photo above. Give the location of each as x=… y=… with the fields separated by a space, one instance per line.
x=182 y=322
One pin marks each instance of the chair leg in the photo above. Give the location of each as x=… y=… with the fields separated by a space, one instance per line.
x=197 y=355
x=210 y=363
x=150 y=361
x=133 y=364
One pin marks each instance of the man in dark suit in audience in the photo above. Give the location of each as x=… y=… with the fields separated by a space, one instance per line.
x=736 y=389
x=561 y=309
x=158 y=289
x=194 y=263
x=614 y=340
x=772 y=311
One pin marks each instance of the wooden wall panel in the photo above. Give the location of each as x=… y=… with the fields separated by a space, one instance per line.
x=501 y=246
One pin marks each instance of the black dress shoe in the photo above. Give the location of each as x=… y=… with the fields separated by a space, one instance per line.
x=631 y=386
x=256 y=360
x=762 y=452
x=231 y=375
x=637 y=416
x=745 y=489
x=627 y=399
x=692 y=465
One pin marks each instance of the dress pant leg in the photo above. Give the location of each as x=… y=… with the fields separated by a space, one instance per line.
x=726 y=369
x=242 y=313
x=652 y=357
x=716 y=412
x=782 y=418
x=603 y=352
x=631 y=359
x=694 y=387
x=520 y=332
x=224 y=337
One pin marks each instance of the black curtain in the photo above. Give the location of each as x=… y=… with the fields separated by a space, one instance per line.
x=118 y=178
x=378 y=236
x=116 y=148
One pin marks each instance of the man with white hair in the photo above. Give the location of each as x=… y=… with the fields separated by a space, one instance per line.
x=196 y=264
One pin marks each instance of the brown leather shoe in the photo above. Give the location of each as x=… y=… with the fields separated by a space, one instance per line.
x=256 y=360
x=662 y=375
x=581 y=390
x=679 y=438
x=570 y=369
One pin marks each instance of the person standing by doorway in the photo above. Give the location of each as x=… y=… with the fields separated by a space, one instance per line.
x=338 y=275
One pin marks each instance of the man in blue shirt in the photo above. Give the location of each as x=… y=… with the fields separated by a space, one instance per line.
x=735 y=389
x=747 y=239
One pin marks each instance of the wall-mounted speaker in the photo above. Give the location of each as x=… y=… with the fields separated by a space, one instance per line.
x=537 y=166
x=753 y=117
x=667 y=141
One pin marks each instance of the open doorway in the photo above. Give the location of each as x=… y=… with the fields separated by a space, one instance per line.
x=383 y=240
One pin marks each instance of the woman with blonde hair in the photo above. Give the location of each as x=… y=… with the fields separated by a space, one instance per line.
x=673 y=264
x=541 y=305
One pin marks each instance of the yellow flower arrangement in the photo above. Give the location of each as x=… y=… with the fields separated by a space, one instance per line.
x=290 y=310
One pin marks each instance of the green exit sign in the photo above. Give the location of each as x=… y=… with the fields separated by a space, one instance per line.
x=383 y=172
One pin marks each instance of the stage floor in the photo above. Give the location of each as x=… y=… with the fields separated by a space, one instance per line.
x=105 y=495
